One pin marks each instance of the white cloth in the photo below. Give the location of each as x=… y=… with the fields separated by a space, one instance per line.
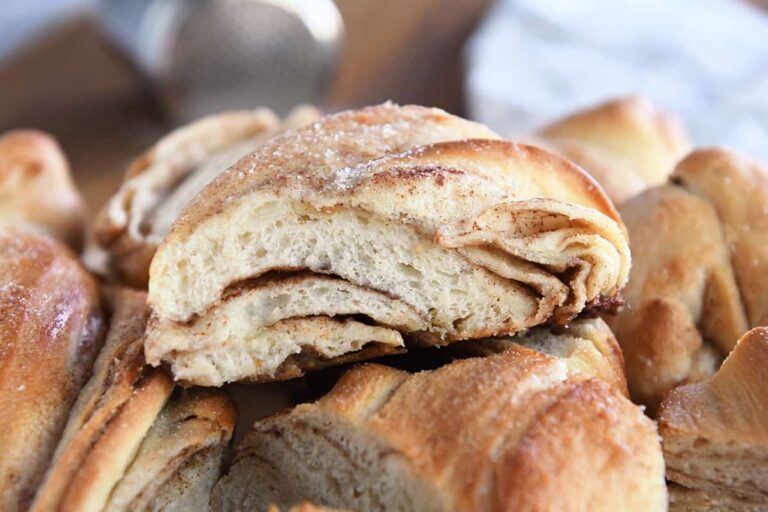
x=534 y=60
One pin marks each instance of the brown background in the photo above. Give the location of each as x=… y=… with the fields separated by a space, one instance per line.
x=72 y=85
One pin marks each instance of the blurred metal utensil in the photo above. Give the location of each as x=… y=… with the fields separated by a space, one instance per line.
x=203 y=56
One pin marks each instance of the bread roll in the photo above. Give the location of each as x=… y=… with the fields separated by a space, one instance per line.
x=160 y=182
x=512 y=431
x=700 y=265
x=737 y=188
x=627 y=145
x=121 y=449
x=342 y=236
x=36 y=189
x=50 y=332
x=715 y=433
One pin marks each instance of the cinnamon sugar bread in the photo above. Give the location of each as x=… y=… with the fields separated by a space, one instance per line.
x=50 y=332
x=130 y=445
x=700 y=252
x=364 y=230
x=511 y=431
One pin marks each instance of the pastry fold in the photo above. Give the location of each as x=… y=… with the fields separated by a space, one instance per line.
x=36 y=188
x=715 y=433
x=128 y=444
x=627 y=145
x=159 y=183
x=363 y=231
x=50 y=331
x=511 y=431
x=698 y=276
x=586 y=345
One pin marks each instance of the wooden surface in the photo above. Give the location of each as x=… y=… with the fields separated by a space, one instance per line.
x=71 y=84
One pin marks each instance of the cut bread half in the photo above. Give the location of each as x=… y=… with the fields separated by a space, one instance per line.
x=511 y=431
x=460 y=240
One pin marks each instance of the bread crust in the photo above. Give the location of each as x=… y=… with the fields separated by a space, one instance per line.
x=627 y=144
x=111 y=416
x=36 y=188
x=196 y=424
x=715 y=432
x=128 y=443
x=698 y=279
x=509 y=431
x=586 y=345
x=159 y=182
x=51 y=329
x=737 y=188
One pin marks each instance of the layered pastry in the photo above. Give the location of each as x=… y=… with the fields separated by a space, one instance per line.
x=715 y=434
x=50 y=332
x=36 y=188
x=586 y=345
x=627 y=145
x=130 y=444
x=700 y=261
x=347 y=237
x=511 y=431
x=160 y=182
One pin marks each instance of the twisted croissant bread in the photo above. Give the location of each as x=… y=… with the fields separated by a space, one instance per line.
x=50 y=331
x=700 y=250
x=335 y=239
x=715 y=434
x=627 y=145
x=160 y=182
x=125 y=446
x=511 y=431
x=36 y=189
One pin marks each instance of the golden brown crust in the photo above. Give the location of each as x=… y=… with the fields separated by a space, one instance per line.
x=51 y=327
x=715 y=433
x=737 y=188
x=700 y=251
x=194 y=424
x=586 y=345
x=371 y=133
x=627 y=144
x=731 y=406
x=511 y=431
x=36 y=189
x=116 y=446
x=684 y=309
x=160 y=181
x=111 y=416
